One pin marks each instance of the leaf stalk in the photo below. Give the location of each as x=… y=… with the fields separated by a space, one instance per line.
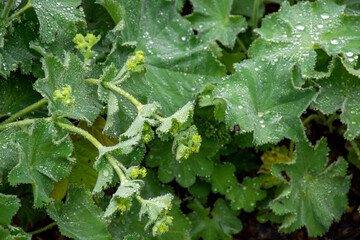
x=25 y=111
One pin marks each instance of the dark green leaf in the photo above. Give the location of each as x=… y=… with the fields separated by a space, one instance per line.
x=41 y=162
x=79 y=218
x=315 y=195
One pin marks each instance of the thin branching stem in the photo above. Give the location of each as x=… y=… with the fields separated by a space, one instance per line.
x=81 y=132
x=17 y=13
x=25 y=111
x=47 y=227
x=119 y=90
x=115 y=164
x=7 y=9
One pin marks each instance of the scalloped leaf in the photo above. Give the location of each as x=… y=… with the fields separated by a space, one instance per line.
x=9 y=156
x=341 y=91
x=314 y=194
x=261 y=97
x=174 y=123
x=9 y=205
x=69 y=73
x=57 y=16
x=16 y=51
x=294 y=32
x=220 y=223
x=213 y=21
x=41 y=162
x=79 y=217
x=242 y=196
x=130 y=225
x=13 y=233
x=185 y=172
x=172 y=52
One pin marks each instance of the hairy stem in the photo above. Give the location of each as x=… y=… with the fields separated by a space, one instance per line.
x=111 y=86
x=25 y=111
x=140 y=199
x=47 y=227
x=122 y=79
x=81 y=132
x=6 y=9
x=21 y=123
x=115 y=164
x=17 y=13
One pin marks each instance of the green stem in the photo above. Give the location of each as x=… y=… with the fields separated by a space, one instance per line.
x=291 y=149
x=242 y=46
x=140 y=199
x=309 y=118
x=122 y=79
x=111 y=86
x=18 y=123
x=82 y=132
x=6 y=9
x=255 y=14
x=43 y=229
x=115 y=164
x=25 y=111
x=17 y=13
x=161 y=119
x=123 y=70
x=355 y=147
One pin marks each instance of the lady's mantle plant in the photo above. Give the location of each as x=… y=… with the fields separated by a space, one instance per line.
x=104 y=102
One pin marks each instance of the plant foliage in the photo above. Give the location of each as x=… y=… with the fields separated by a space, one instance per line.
x=126 y=119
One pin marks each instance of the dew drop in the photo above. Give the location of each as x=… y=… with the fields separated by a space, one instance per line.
x=334 y=42
x=320 y=26
x=324 y=16
x=240 y=107
x=349 y=54
x=300 y=27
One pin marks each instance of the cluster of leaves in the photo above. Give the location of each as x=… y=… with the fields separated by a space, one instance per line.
x=104 y=102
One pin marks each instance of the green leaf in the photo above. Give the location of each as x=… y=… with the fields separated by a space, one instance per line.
x=174 y=123
x=13 y=233
x=69 y=74
x=79 y=218
x=129 y=223
x=340 y=91
x=41 y=162
x=295 y=31
x=16 y=52
x=246 y=8
x=183 y=57
x=185 y=172
x=9 y=156
x=220 y=223
x=114 y=8
x=153 y=208
x=213 y=21
x=242 y=196
x=126 y=191
x=245 y=195
x=9 y=205
x=261 y=97
x=106 y=171
x=19 y=94
x=55 y=16
x=314 y=195
x=83 y=172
